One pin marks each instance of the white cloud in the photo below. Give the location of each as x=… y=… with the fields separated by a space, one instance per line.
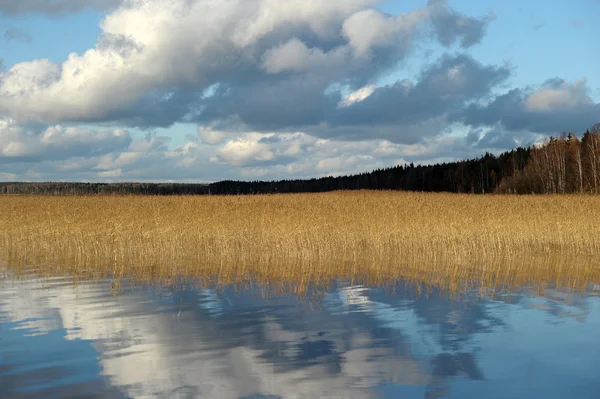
x=295 y=56
x=260 y=148
x=564 y=95
x=164 y=49
x=370 y=28
x=241 y=151
x=211 y=136
x=268 y=156
x=20 y=144
x=111 y=173
x=357 y=96
x=147 y=45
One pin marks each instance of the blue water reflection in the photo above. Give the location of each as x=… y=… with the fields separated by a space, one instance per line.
x=58 y=340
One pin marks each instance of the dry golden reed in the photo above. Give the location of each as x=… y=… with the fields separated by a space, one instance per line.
x=440 y=239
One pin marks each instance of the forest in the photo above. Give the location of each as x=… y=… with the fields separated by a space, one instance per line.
x=561 y=165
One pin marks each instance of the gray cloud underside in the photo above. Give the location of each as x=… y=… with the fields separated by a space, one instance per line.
x=54 y=6
x=18 y=144
x=293 y=104
x=442 y=87
x=557 y=106
x=271 y=68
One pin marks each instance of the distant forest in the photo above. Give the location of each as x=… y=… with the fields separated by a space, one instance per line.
x=560 y=165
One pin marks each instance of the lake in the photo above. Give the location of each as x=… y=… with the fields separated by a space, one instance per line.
x=64 y=340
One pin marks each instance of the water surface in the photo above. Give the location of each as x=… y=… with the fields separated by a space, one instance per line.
x=58 y=340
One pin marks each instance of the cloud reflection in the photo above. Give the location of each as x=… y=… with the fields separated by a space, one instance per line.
x=353 y=343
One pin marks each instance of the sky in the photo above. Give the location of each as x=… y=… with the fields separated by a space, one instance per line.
x=206 y=90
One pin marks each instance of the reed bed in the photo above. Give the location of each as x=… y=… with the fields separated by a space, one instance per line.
x=445 y=240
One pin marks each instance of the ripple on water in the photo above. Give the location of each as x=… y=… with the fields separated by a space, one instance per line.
x=60 y=340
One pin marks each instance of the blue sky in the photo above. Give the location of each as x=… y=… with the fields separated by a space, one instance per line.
x=135 y=110
x=539 y=39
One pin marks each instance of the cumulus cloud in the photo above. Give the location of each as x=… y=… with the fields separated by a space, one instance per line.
x=295 y=56
x=559 y=94
x=557 y=105
x=369 y=29
x=54 y=6
x=19 y=144
x=442 y=87
x=269 y=149
x=401 y=112
x=17 y=34
x=451 y=25
x=152 y=52
x=241 y=151
x=211 y=136
x=265 y=156
x=251 y=74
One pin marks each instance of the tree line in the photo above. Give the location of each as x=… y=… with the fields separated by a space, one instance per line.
x=563 y=165
x=59 y=188
x=560 y=165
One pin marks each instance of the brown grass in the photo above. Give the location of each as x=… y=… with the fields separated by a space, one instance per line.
x=441 y=239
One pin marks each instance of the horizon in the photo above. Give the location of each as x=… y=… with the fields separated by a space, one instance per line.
x=197 y=91
x=426 y=165
x=496 y=154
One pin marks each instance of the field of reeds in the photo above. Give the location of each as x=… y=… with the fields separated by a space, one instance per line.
x=442 y=239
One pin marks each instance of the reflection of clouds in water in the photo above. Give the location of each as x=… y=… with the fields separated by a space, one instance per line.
x=560 y=304
x=27 y=307
x=35 y=359
x=244 y=352
x=196 y=343
x=423 y=339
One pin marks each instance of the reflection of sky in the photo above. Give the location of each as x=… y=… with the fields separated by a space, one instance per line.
x=354 y=342
x=46 y=365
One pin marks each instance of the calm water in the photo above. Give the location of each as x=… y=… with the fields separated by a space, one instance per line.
x=59 y=341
